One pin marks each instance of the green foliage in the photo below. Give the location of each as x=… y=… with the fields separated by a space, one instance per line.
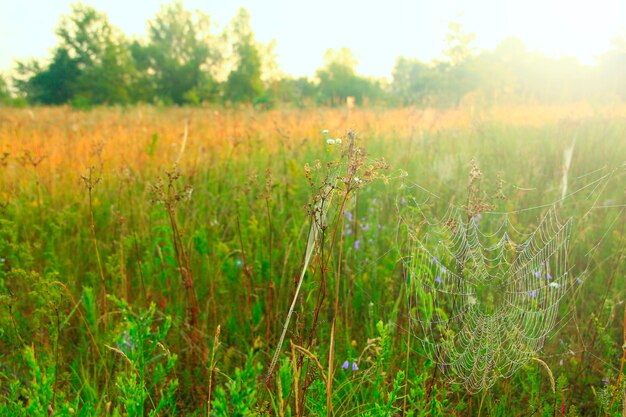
x=148 y=364
x=338 y=80
x=389 y=407
x=50 y=292
x=179 y=49
x=612 y=67
x=101 y=64
x=238 y=397
x=54 y=85
x=5 y=94
x=182 y=61
x=244 y=81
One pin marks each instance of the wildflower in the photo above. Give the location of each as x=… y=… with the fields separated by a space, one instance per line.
x=345 y=365
x=580 y=280
x=357 y=244
x=355 y=367
x=549 y=277
x=330 y=141
x=403 y=200
x=533 y=293
x=338 y=141
x=443 y=270
x=325 y=132
x=348 y=215
x=554 y=285
x=537 y=274
x=438 y=279
x=366 y=227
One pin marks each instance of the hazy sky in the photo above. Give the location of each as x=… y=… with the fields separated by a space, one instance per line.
x=376 y=31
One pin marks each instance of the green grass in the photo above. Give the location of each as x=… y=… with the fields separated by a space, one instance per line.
x=241 y=239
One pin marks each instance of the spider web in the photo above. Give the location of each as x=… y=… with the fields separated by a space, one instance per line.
x=483 y=304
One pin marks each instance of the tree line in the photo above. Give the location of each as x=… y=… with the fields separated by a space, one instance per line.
x=182 y=61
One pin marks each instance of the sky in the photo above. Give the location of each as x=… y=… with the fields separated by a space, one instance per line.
x=377 y=32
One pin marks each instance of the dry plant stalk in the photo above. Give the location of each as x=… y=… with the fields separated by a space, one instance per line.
x=212 y=367
x=90 y=183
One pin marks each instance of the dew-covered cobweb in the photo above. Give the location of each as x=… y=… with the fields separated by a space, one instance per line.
x=483 y=303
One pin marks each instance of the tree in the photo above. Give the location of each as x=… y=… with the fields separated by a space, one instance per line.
x=55 y=84
x=100 y=53
x=5 y=94
x=457 y=74
x=613 y=68
x=459 y=44
x=91 y=64
x=338 y=79
x=294 y=90
x=244 y=82
x=179 y=55
x=412 y=81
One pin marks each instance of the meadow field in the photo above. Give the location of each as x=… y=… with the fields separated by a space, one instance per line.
x=149 y=258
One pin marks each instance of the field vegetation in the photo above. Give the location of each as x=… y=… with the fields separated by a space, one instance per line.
x=149 y=257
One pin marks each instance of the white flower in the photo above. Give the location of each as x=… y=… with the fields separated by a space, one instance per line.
x=330 y=141
x=338 y=141
x=554 y=285
x=325 y=132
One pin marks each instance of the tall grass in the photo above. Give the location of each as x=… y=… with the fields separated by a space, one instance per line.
x=223 y=248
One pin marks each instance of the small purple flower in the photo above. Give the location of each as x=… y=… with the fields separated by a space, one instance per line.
x=443 y=269
x=533 y=293
x=538 y=274
x=348 y=215
x=366 y=227
x=434 y=259
x=363 y=219
x=549 y=277
x=349 y=231
x=355 y=367
x=379 y=226
x=357 y=244
x=606 y=381
x=403 y=200
x=438 y=280
x=371 y=209
x=345 y=365
x=580 y=280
